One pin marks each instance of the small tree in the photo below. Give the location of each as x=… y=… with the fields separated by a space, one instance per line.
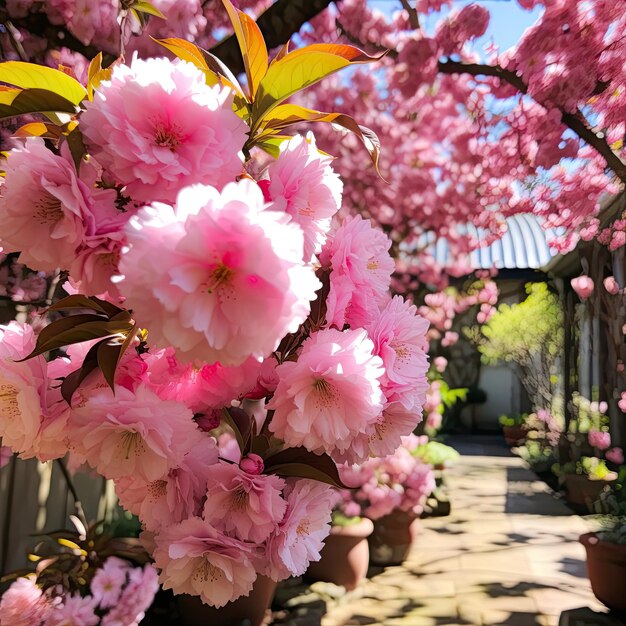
x=529 y=335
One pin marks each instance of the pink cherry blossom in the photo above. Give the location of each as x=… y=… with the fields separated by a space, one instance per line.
x=135 y=599
x=611 y=285
x=200 y=302
x=5 y=455
x=174 y=496
x=197 y=559
x=22 y=387
x=23 y=604
x=252 y=464
x=615 y=455
x=132 y=433
x=157 y=127
x=330 y=394
x=303 y=184
x=246 y=506
x=440 y=363
x=399 y=336
x=300 y=536
x=201 y=387
x=45 y=208
x=359 y=252
x=583 y=286
x=107 y=583
x=599 y=439
x=74 y=610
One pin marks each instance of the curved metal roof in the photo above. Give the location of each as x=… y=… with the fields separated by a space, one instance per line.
x=524 y=245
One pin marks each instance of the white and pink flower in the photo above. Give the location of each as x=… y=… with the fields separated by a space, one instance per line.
x=331 y=394
x=157 y=127
x=197 y=559
x=193 y=274
x=241 y=504
x=303 y=184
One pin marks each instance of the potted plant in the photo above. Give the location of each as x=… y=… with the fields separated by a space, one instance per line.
x=513 y=429
x=391 y=491
x=606 y=548
x=82 y=576
x=585 y=480
x=345 y=556
x=436 y=454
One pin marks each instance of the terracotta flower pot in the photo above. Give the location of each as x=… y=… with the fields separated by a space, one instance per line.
x=583 y=491
x=345 y=556
x=514 y=435
x=392 y=538
x=252 y=608
x=606 y=568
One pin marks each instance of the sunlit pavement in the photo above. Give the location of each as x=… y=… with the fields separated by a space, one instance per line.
x=507 y=554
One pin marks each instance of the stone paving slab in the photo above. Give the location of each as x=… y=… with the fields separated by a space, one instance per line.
x=507 y=554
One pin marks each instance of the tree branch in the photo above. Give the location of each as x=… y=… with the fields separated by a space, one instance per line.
x=574 y=121
x=56 y=36
x=278 y=24
x=414 y=18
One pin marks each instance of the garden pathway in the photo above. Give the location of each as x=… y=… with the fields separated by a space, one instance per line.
x=507 y=554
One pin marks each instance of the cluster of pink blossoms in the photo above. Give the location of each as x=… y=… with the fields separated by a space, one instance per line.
x=261 y=306
x=398 y=481
x=119 y=594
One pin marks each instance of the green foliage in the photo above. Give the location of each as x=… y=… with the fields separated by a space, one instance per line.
x=513 y=420
x=613 y=504
x=590 y=466
x=436 y=454
x=537 y=454
x=339 y=519
x=518 y=332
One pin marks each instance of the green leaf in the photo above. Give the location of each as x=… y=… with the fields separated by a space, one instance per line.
x=109 y=355
x=40 y=129
x=33 y=76
x=301 y=69
x=77 y=147
x=147 y=7
x=96 y=74
x=85 y=331
x=271 y=144
x=78 y=301
x=15 y=102
x=286 y=115
x=300 y=462
x=251 y=44
x=241 y=424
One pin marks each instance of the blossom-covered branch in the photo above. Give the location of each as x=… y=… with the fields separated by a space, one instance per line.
x=574 y=121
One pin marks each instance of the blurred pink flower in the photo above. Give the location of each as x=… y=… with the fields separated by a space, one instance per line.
x=157 y=127
x=107 y=583
x=23 y=604
x=583 y=286
x=329 y=395
x=599 y=439
x=440 y=363
x=74 y=610
x=135 y=599
x=615 y=455
x=611 y=285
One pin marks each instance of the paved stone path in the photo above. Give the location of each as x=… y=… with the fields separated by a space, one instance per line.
x=508 y=554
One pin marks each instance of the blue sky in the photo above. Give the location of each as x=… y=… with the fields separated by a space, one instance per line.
x=508 y=20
